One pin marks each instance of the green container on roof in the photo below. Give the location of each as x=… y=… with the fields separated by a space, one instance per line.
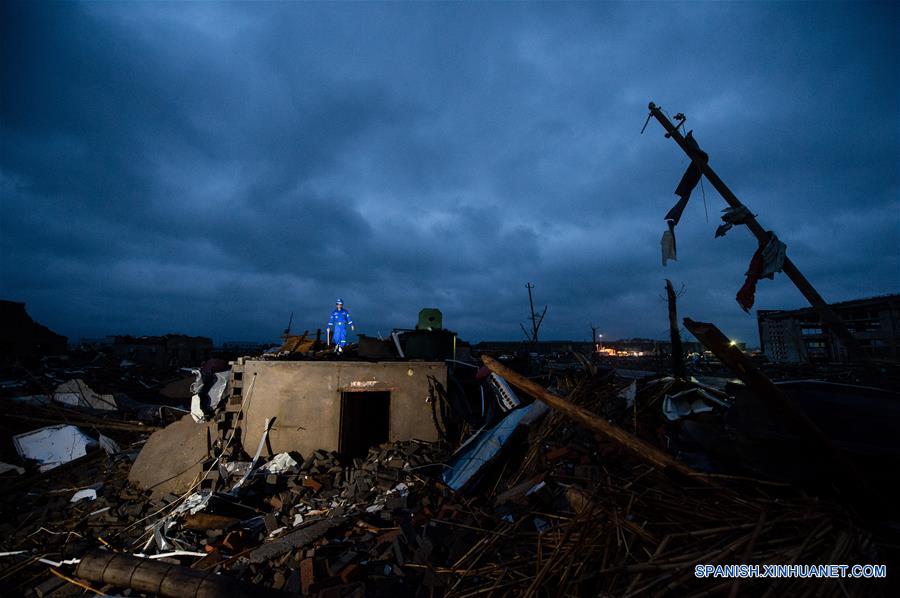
x=430 y=318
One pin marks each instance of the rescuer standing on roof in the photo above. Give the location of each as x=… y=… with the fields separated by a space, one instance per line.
x=339 y=321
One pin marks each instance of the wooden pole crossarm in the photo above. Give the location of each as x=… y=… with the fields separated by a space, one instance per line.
x=826 y=313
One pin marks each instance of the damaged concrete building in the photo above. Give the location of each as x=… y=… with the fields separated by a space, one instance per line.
x=166 y=350
x=302 y=406
x=798 y=336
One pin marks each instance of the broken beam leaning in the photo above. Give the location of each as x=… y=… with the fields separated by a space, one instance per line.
x=633 y=444
x=677 y=352
x=827 y=314
x=714 y=340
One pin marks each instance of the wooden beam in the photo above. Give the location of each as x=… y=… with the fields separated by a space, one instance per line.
x=639 y=448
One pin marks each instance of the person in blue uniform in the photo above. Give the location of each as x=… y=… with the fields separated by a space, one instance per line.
x=338 y=322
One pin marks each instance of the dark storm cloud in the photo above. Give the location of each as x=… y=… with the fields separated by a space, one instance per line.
x=209 y=168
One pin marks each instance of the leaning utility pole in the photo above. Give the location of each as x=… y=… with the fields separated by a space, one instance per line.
x=677 y=352
x=535 y=319
x=829 y=317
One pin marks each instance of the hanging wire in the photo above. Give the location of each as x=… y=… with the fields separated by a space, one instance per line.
x=646 y=122
x=703 y=191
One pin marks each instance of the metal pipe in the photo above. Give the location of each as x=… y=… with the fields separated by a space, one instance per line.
x=162 y=579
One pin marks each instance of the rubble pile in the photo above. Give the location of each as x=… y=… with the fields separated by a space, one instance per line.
x=551 y=506
x=579 y=517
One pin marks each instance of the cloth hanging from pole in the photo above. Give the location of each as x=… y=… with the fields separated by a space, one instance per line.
x=690 y=178
x=667 y=244
x=732 y=216
x=766 y=261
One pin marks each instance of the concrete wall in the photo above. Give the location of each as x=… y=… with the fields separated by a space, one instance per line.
x=305 y=399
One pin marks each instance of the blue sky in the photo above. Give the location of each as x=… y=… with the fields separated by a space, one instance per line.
x=209 y=168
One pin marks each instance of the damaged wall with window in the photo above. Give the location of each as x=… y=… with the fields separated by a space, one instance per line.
x=797 y=336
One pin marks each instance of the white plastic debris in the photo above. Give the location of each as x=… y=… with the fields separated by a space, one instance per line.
x=160 y=534
x=629 y=393
x=262 y=442
x=59 y=563
x=685 y=403
x=378 y=505
x=109 y=445
x=234 y=468
x=400 y=488
x=194 y=503
x=196 y=410
x=86 y=494
x=54 y=445
x=215 y=393
x=280 y=463
x=78 y=394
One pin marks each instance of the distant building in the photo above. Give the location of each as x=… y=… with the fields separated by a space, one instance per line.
x=542 y=347
x=247 y=347
x=176 y=350
x=797 y=336
x=636 y=347
x=21 y=338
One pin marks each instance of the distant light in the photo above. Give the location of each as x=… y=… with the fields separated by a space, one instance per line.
x=733 y=343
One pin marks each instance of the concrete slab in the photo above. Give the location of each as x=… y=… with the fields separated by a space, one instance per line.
x=172 y=457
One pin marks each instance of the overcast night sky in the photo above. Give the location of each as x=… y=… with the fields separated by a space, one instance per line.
x=209 y=168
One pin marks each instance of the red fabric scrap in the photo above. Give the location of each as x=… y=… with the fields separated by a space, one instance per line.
x=747 y=293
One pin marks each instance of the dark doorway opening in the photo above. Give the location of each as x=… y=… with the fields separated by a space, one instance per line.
x=365 y=421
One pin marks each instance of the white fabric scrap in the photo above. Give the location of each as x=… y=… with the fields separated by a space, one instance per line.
x=773 y=256
x=629 y=393
x=668 y=247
